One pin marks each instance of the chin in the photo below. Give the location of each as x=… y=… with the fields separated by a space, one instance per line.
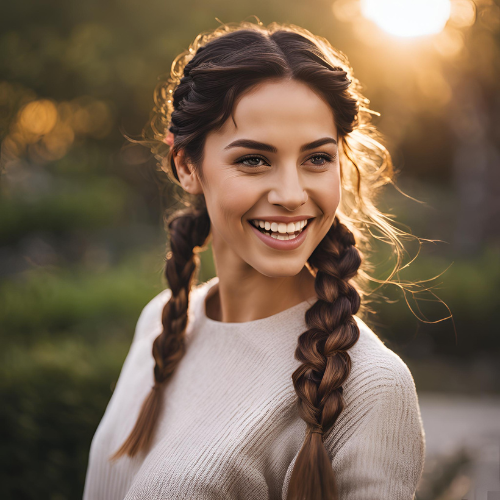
x=280 y=271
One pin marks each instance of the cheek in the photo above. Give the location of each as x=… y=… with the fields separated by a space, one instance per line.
x=228 y=199
x=326 y=192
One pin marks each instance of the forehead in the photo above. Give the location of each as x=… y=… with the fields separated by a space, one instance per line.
x=278 y=110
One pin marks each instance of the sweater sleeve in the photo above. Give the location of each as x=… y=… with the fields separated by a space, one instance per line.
x=384 y=457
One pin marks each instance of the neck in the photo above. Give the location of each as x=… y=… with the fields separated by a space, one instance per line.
x=243 y=294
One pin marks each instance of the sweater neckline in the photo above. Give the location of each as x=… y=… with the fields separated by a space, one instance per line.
x=278 y=318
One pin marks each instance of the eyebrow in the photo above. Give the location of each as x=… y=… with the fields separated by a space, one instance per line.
x=250 y=144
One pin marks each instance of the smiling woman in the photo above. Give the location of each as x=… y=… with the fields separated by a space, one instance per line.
x=264 y=382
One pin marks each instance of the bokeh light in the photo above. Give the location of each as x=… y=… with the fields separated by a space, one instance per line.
x=463 y=13
x=44 y=130
x=408 y=18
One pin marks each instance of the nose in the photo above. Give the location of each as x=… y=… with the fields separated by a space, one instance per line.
x=288 y=190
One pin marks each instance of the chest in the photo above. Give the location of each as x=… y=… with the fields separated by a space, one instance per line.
x=228 y=427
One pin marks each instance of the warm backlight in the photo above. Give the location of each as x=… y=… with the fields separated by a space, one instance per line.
x=408 y=18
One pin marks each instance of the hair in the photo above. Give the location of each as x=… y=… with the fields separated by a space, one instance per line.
x=198 y=97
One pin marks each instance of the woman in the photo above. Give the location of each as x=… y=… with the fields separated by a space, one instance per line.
x=264 y=382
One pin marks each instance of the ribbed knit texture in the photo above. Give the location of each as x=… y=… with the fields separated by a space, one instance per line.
x=229 y=426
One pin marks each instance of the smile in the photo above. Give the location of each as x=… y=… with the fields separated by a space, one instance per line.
x=280 y=230
x=281 y=235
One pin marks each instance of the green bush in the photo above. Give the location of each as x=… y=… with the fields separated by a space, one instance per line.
x=53 y=396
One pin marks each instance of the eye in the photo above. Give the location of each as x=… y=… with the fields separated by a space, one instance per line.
x=318 y=160
x=321 y=160
x=252 y=161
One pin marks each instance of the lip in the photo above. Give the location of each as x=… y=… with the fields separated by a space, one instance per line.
x=282 y=244
x=283 y=218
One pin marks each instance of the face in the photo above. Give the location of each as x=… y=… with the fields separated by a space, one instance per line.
x=271 y=179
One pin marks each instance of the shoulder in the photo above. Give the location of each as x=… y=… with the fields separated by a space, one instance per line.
x=375 y=367
x=150 y=318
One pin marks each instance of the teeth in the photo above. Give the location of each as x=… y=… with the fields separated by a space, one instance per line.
x=281 y=230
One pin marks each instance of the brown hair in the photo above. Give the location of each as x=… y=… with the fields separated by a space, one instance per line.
x=199 y=97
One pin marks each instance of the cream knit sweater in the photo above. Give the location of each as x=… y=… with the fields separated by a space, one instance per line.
x=229 y=427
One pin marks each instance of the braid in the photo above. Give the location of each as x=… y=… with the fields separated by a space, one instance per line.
x=188 y=230
x=182 y=91
x=325 y=362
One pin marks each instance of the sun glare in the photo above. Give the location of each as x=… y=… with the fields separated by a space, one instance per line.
x=408 y=18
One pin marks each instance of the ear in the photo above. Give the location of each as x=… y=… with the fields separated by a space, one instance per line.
x=187 y=174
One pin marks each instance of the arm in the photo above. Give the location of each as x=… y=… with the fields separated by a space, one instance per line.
x=384 y=457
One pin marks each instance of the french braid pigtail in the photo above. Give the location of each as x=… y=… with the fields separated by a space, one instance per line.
x=187 y=231
x=326 y=363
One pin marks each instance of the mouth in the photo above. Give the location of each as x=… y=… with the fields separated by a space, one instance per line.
x=280 y=230
x=281 y=235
